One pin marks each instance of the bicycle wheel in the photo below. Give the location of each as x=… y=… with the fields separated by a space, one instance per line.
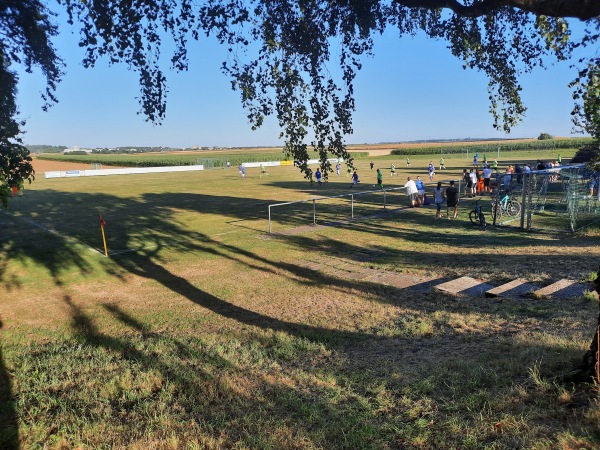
x=513 y=208
x=474 y=217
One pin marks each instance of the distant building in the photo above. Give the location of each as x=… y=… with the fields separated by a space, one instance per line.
x=76 y=149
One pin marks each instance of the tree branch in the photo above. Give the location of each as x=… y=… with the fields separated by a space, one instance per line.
x=580 y=9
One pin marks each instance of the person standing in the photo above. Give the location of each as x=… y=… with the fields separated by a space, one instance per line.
x=559 y=159
x=473 y=177
x=412 y=192
x=420 y=190
x=467 y=179
x=337 y=168
x=451 y=200
x=438 y=198
x=371 y=165
x=487 y=176
x=354 y=179
x=407 y=162
x=392 y=170
x=379 y=179
x=431 y=170
x=495 y=165
x=442 y=166
x=318 y=176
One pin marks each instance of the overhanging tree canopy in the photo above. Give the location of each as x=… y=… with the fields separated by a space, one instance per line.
x=279 y=52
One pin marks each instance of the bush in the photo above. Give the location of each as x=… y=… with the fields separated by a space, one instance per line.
x=545 y=136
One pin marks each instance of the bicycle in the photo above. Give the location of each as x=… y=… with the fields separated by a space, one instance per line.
x=477 y=217
x=506 y=205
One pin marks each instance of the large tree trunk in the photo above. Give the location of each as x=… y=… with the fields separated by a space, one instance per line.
x=587 y=370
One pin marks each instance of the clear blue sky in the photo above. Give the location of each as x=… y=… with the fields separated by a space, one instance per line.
x=412 y=89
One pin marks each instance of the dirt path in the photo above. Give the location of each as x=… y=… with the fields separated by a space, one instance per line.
x=40 y=166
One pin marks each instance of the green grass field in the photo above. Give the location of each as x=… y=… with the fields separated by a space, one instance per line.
x=203 y=331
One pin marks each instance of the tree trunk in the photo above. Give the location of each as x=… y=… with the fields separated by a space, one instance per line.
x=587 y=370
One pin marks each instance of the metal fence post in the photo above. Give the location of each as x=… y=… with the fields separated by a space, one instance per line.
x=529 y=205
x=526 y=187
x=314 y=212
x=384 y=205
x=269 y=219
x=352 y=206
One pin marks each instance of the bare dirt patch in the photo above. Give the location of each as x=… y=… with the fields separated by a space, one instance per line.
x=40 y=166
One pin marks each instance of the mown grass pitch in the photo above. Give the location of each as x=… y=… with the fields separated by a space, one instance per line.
x=203 y=332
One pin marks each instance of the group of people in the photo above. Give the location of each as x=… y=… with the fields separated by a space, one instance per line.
x=415 y=189
x=478 y=182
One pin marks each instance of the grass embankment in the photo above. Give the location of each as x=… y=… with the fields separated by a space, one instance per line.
x=202 y=332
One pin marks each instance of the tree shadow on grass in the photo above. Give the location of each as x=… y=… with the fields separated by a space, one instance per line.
x=294 y=409
x=9 y=424
x=201 y=395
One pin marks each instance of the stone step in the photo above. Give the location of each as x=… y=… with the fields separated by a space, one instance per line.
x=561 y=289
x=464 y=285
x=401 y=281
x=512 y=288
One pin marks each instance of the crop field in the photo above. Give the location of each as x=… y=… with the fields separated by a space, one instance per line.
x=203 y=331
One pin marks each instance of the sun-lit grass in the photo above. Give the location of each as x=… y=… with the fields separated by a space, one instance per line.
x=202 y=331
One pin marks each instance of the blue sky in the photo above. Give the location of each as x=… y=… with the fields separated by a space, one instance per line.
x=412 y=89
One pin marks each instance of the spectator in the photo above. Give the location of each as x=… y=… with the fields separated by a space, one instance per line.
x=519 y=173
x=473 y=180
x=318 y=176
x=451 y=200
x=487 y=175
x=438 y=198
x=420 y=190
x=480 y=188
x=412 y=192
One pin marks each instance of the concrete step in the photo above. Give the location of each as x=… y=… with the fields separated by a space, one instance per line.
x=561 y=289
x=465 y=286
x=512 y=288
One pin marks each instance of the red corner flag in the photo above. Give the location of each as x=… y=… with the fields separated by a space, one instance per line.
x=102 y=222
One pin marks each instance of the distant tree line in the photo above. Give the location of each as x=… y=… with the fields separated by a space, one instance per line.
x=506 y=146
x=46 y=148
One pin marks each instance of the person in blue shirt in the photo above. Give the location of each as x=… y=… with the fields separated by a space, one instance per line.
x=420 y=190
x=431 y=170
x=318 y=176
x=354 y=179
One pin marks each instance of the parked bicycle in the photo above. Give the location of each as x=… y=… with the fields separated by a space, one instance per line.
x=506 y=205
x=477 y=217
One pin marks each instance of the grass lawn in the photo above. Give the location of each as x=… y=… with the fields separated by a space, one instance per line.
x=203 y=331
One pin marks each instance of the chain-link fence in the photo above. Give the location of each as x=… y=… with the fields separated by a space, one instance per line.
x=565 y=198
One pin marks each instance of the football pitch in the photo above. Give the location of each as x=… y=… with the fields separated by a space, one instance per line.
x=202 y=330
